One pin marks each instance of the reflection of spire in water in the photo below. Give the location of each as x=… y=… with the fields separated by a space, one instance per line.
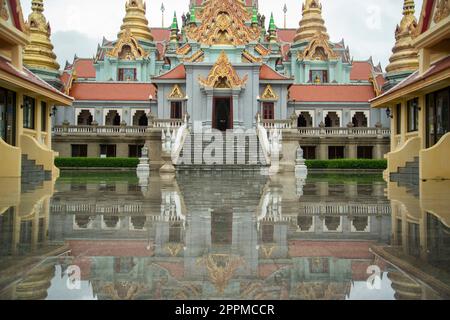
x=405 y=288
x=36 y=284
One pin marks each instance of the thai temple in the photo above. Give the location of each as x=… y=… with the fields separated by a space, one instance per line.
x=221 y=68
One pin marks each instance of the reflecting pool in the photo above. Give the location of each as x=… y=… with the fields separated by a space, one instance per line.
x=235 y=235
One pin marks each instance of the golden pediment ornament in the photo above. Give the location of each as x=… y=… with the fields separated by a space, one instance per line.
x=123 y=290
x=248 y=57
x=262 y=50
x=127 y=48
x=184 y=50
x=442 y=10
x=269 y=94
x=174 y=249
x=196 y=57
x=223 y=22
x=176 y=93
x=223 y=75
x=318 y=49
x=221 y=269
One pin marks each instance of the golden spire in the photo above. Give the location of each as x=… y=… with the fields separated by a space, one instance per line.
x=39 y=53
x=312 y=22
x=136 y=21
x=405 y=56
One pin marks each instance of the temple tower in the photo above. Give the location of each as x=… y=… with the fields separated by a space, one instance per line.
x=136 y=21
x=404 y=59
x=38 y=55
x=311 y=22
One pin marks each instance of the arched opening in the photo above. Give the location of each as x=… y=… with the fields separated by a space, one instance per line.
x=360 y=224
x=111 y=222
x=304 y=223
x=332 y=120
x=304 y=120
x=112 y=118
x=140 y=119
x=83 y=221
x=332 y=223
x=125 y=53
x=359 y=120
x=85 y=118
x=138 y=222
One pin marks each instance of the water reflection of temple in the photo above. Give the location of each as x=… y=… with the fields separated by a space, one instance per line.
x=420 y=237
x=24 y=227
x=206 y=236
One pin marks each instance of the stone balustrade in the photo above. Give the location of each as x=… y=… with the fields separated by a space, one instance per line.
x=344 y=132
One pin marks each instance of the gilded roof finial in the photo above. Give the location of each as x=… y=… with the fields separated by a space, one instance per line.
x=404 y=56
x=39 y=53
x=311 y=22
x=272 y=29
x=136 y=21
x=174 y=29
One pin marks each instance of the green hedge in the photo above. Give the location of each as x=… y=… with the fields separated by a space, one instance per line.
x=133 y=162
x=96 y=162
x=347 y=164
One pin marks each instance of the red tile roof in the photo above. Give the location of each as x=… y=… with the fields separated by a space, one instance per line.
x=361 y=71
x=381 y=80
x=30 y=77
x=286 y=35
x=102 y=91
x=179 y=72
x=160 y=34
x=338 y=249
x=84 y=68
x=267 y=73
x=331 y=93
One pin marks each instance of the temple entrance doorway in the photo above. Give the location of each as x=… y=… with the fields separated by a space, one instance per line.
x=222 y=114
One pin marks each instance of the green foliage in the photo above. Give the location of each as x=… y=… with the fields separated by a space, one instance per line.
x=96 y=162
x=356 y=164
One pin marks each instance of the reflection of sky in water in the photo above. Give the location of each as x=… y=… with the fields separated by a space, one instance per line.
x=58 y=289
x=360 y=291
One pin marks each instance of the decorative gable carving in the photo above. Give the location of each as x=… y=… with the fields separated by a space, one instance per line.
x=269 y=94
x=318 y=49
x=127 y=48
x=176 y=93
x=442 y=10
x=223 y=75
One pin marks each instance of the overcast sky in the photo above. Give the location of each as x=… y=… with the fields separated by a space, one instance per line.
x=366 y=25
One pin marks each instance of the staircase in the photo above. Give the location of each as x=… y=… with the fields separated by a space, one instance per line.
x=247 y=155
x=408 y=176
x=33 y=174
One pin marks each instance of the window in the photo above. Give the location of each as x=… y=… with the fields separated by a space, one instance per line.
x=127 y=74
x=135 y=151
x=267 y=233
x=268 y=111
x=309 y=152
x=438 y=116
x=8 y=116
x=175 y=233
x=29 y=108
x=85 y=118
x=413 y=115
x=398 y=118
x=79 y=150
x=108 y=150
x=176 y=110
x=318 y=76
x=365 y=152
x=44 y=116
x=335 y=152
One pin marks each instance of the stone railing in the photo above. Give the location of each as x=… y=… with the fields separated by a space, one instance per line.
x=277 y=124
x=166 y=123
x=99 y=130
x=344 y=132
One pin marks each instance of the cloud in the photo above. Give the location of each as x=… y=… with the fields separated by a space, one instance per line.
x=366 y=25
x=69 y=43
